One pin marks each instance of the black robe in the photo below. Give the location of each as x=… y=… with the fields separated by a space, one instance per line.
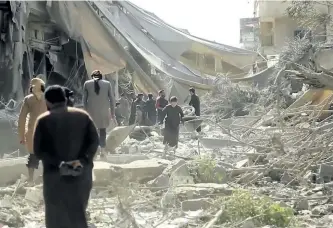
x=150 y=112
x=173 y=118
x=195 y=103
x=65 y=134
x=161 y=102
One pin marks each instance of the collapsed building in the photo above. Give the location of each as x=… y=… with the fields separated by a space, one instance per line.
x=65 y=41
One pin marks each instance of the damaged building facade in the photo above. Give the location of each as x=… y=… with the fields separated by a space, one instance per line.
x=64 y=41
x=31 y=45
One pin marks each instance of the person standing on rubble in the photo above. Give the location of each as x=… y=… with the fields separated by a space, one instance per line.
x=98 y=101
x=150 y=110
x=124 y=108
x=195 y=103
x=33 y=105
x=133 y=109
x=161 y=102
x=66 y=140
x=173 y=115
x=138 y=101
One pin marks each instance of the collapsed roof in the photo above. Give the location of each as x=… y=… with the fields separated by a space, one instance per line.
x=95 y=23
x=107 y=31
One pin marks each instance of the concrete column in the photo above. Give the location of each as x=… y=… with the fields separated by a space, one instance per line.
x=329 y=26
x=201 y=61
x=116 y=88
x=218 y=64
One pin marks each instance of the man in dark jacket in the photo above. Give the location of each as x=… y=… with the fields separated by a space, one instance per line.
x=195 y=103
x=66 y=141
x=161 y=102
x=138 y=101
x=150 y=110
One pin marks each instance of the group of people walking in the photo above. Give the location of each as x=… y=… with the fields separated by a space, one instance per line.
x=66 y=139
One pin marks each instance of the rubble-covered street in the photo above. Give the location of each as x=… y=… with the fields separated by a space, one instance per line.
x=269 y=168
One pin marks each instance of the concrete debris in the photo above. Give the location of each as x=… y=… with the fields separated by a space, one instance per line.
x=140 y=171
x=195 y=204
x=302 y=205
x=326 y=172
x=34 y=195
x=270 y=152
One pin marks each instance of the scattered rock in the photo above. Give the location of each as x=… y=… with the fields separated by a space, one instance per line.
x=301 y=205
x=140 y=171
x=162 y=181
x=34 y=194
x=326 y=172
x=248 y=223
x=288 y=179
x=201 y=190
x=195 y=204
x=242 y=163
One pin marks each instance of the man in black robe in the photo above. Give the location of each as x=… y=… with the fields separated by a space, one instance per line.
x=195 y=103
x=150 y=110
x=161 y=102
x=66 y=141
x=174 y=115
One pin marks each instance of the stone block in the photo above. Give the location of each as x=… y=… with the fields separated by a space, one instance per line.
x=125 y=158
x=34 y=194
x=11 y=169
x=160 y=182
x=326 y=172
x=195 y=204
x=301 y=205
x=242 y=163
x=140 y=171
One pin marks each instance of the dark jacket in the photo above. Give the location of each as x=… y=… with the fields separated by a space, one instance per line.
x=195 y=103
x=150 y=111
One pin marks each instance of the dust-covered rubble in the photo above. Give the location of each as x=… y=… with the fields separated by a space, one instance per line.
x=269 y=168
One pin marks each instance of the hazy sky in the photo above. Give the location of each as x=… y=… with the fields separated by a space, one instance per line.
x=216 y=20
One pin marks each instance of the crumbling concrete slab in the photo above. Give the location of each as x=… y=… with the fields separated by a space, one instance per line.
x=242 y=163
x=326 y=172
x=117 y=136
x=11 y=169
x=125 y=158
x=140 y=171
x=213 y=143
x=34 y=194
x=195 y=204
x=201 y=190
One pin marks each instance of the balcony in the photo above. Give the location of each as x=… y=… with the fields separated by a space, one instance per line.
x=277 y=9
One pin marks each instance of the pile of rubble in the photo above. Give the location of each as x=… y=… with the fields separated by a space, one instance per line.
x=266 y=166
